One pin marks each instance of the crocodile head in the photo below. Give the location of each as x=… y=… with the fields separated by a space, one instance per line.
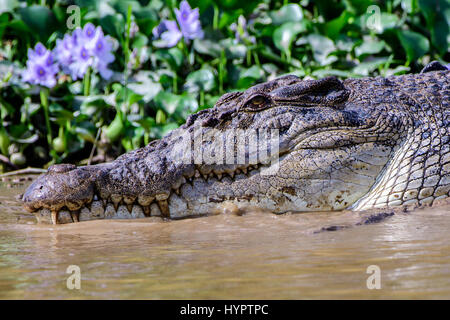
x=284 y=145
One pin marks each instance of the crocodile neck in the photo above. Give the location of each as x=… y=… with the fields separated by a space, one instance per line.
x=419 y=170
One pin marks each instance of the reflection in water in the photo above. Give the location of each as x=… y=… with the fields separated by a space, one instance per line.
x=258 y=255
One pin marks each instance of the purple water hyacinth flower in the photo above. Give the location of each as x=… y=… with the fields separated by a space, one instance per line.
x=189 y=22
x=89 y=32
x=190 y=28
x=82 y=60
x=41 y=69
x=64 y=51
x=87 y=47
x=100 y=47
x=77 y=36
x=38 y=52
x=134 y=28
x=241 y=32
x=168 y=32
x=103 y=56
x=448 y=66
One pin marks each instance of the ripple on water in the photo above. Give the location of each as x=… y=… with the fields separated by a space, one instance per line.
x=258 y=255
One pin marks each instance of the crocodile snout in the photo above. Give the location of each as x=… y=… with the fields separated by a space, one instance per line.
x=62 y=186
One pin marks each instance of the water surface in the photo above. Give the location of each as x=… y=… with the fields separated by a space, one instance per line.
x=255 y=256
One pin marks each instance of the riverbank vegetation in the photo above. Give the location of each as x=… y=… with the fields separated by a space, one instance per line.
x=85 y=81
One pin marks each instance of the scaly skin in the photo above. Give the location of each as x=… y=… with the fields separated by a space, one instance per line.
x=355 y=144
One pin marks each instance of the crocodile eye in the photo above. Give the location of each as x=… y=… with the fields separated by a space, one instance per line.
x=256 y=103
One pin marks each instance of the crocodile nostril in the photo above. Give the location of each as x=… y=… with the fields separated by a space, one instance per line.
x=61 y=168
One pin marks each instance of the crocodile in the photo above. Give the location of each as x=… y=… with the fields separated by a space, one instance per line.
x=286 y=145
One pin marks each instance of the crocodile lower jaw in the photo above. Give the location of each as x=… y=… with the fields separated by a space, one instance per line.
x=164 y=206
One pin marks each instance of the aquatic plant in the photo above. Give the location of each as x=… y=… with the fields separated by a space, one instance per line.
x=134 y=70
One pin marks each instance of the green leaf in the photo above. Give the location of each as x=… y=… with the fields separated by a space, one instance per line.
x=146 y=123
x=113 y=25
x=121 y=6
x=248 y=77
x=160 y=117
x=116 y=128
x=284 y=35
x=62 y=115
x=186 y=105
x=145 y=86
x=160 y=131
x=31 y=139
x=437 y=16
x=388 y=21
x=8 y=5
x=322 y=73
x=92 y=104
x=39 y=19
x=86 y=131
x=85 y=134
x=322 y=47
x=4 y=141
x=357 y=6
x=208 y=47
x=140 y=40
x=289 y=13
x=334 y=27
x=128 y=96
x=233 y=50
x=167 y=101
x=371 y=46
x=200 y=80
x=409 y=5
x=415 y=44
x=367 y=67
x=173 y=56
x=397 y=71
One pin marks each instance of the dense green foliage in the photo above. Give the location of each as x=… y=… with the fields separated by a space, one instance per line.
x=154 y=89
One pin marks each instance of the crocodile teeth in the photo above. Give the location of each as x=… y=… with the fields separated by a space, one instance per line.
x=161 y=196
x=219 y=176
x=130 y=208
x=244 y=170
x=164 y=207
x=144 y=200
x=147 y=210
x=129 y=199
x=116 y=198
x=197 y=174
x=55 y=217
x=72 y=205
x=75 y=215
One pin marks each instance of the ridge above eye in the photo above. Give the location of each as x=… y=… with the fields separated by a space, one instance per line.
x=257 y=102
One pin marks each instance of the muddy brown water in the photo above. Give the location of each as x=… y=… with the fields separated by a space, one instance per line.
x=255 y=256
